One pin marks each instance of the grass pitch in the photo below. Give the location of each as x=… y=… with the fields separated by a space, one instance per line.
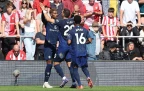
x=96 y=88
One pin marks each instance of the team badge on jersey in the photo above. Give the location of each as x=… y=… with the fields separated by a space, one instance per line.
x=55 y=27
x=61 y=55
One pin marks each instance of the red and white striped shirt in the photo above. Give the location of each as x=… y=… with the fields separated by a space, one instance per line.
x=11 y=56
x=10 y=21
x=109 y=26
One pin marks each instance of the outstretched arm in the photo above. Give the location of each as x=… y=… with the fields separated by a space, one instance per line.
x=45 y=14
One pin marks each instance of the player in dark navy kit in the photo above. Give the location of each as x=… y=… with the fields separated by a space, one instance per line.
x=63 y=51
x=78 y=37
x=51 y=38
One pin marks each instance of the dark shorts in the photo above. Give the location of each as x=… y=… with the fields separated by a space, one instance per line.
x=49 y=51
x=63 y=54
x=79 y=61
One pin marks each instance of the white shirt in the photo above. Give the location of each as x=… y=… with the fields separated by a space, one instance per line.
x=129 y=11
x=30 y=26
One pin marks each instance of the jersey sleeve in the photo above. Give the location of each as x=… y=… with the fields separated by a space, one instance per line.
x=16 y=18
x=3 y=18
x=37 y=35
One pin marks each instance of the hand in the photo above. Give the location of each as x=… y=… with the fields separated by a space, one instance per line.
x=123 y=25
x=105 y=36
x=1 y=35
x=42 y=6
x=18 y=35
x=139 y=24
x=135 y=58
x=4 y=35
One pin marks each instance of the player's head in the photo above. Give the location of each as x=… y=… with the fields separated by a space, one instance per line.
x=53 y=13
x=9 y=7
x=66 y=13
x=111 y=12
x=77 y=19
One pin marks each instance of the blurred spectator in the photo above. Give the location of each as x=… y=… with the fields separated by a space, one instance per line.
x=9 y=28
x=141 y=40
x=114 y=52
x=17 y=3
x=128 y=11
x=83 y=23
x=93 y=12
x=94 y=48
x=69 y=4
x=109 y=26
x=141 y=6
x=40 y=40
x=59 y=6
x=133 y=53
x=106 y=4
x=30 y=31
x=130 y=31
x=76 y=11
x=16 y=54
x=22 y=13
x=36 y=5
x=2 y=5
x=31 y=2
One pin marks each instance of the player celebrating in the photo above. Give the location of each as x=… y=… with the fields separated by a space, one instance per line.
x=52 y=31
x=63 y=52
x=78 y=37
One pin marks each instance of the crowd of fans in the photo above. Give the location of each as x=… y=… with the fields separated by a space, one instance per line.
x=102 y=18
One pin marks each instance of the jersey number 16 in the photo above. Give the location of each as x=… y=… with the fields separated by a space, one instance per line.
x=80 y=39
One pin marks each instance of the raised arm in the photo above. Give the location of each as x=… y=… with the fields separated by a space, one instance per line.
x=44 y=12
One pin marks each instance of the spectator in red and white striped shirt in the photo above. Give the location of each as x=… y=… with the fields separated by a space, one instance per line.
x=109 y=25
x=16 y=54
x=9 y=28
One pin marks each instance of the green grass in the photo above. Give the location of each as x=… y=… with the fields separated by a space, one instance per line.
x=96 y=88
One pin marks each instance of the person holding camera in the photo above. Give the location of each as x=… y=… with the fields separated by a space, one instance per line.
x=112 y=52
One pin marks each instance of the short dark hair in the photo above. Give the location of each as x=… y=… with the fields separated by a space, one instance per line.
x=77 y=19
x=52 y=10
x=66 y=13
x=9 y=4
x=111 y=9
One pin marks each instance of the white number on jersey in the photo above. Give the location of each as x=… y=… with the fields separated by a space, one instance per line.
x=67 y=27
x=80 y=39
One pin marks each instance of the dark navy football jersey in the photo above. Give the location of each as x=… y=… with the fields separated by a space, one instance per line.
x=65 y=25
x=78 y=36
x=52 y=31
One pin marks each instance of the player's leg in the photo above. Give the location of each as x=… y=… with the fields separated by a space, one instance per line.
x=57 y=60
x=75 y=72
x=68 y=61
x=84 y=67
x=48 y=55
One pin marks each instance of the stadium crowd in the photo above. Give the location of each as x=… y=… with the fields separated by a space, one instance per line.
x=102 y=18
